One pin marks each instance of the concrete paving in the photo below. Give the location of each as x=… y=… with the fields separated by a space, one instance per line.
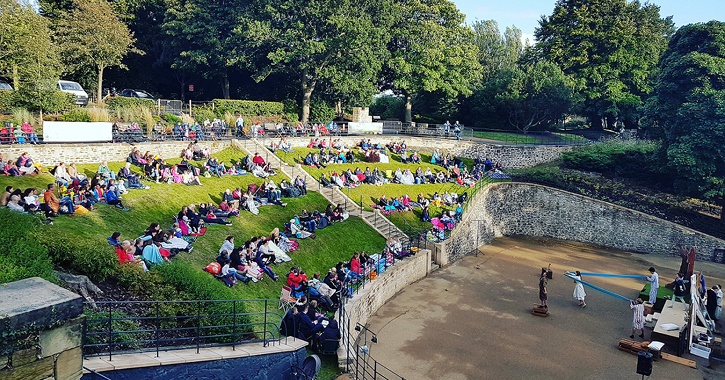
x=473 y=319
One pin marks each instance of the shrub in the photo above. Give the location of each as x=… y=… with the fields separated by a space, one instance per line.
x=624 y=157
x=321 y=112
x=99 y=113
x=22 y=114
x=49 y=101
x=247 y=107
x=171 y=118
x=76 y=114
x=291 y=110
x=388 y=107
x=21 y=256
x=81 y=257
x=202 y=113
x=8 y=100
x=122 y=102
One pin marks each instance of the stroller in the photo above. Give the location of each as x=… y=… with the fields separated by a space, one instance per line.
x=309 y=370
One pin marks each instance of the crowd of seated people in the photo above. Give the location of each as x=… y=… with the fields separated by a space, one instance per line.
x=195 y=152
x=206 y=215
x=306 y=320
x=23 y=165
x=282 y=145
x=305 y=224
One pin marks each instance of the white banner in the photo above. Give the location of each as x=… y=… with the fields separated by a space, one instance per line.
x=356 y=128
x=69 y=131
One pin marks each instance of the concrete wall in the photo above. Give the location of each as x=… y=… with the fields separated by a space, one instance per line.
x=505 y=209
x=42 y=323
x=376 y=293
x=510 y=156
x=51 y=154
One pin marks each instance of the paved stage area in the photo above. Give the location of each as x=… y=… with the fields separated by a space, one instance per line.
x=473 y=319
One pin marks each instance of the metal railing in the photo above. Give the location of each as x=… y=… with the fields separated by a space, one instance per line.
x=141 y=326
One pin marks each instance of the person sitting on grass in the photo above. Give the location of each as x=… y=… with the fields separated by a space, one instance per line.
x=125 y=252
x=261 y=265
x=63 y=205
x=131 y=180
x=105 y=171
x=80 y=198
x=152 y=254
x=61 y=174
x=14 y=204
x=112 y=197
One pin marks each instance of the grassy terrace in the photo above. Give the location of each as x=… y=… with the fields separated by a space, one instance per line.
x=163 y=201
x=530 y=138
x=370 y=194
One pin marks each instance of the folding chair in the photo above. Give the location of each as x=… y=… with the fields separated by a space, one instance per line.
x=286 y=301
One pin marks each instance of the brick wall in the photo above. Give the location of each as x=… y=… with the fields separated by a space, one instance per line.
x=510 y=156
x=506 y=209
x=51 y=154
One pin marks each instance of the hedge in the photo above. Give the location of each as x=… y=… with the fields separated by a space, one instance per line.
x=84 y=257
x=48 y=101
x=123 y=102
x=21 y=257
x=248 y=107
x=7 y=100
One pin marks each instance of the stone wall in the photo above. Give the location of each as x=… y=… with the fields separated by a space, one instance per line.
x=51 y=154
x=376 y=293
x=506 y=209
x=40 y=330
x=510 y=156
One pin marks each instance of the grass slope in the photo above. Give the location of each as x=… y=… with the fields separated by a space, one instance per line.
x=163 y=201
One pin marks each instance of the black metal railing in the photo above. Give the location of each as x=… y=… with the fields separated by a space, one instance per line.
x=115 y=327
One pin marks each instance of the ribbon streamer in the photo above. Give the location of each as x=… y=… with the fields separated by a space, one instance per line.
x=605 y=291
x=612 y=275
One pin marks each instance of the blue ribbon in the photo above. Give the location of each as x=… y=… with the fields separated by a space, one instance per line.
x=605 y=291
x=611 y=275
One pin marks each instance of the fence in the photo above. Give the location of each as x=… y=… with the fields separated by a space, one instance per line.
x=123 y=326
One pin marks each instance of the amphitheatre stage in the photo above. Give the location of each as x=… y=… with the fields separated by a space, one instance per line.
x=472 y=320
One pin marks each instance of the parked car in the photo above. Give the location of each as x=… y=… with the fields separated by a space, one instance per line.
x=75 y=89
x=5 y=86
x=129 y=93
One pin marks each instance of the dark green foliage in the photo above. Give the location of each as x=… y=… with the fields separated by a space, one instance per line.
x=20 y=256
x=7 y=100
x=79 y=255
x=388 y=107
x=248 y=107
x=123 y=102
x=35 y=100
x=634 y=159
x=321 y=112
x=76 y=114
x=688 y=109
x=171 y=118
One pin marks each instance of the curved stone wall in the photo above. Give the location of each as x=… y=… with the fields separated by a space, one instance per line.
x=505 y=209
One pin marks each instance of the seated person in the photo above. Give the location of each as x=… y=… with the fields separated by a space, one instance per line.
x=131 y=180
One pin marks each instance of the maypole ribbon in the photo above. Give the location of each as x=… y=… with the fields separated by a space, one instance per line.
x=612 y=275
x=605 y=291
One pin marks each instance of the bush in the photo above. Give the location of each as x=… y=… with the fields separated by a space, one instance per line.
x=81 y=257
x=21 y=114
x=388 y=107
x=291 y=110
x=247 y=107
x=49 y=101
x=77 y=114
x=21 y=256
x=321 y=112
x=202 y=113
x=8 y=100
x=171 y=118
x=122 y=102
x=623 y=157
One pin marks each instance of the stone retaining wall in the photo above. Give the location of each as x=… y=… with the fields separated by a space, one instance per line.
x=510 y=156
x=376 y=293
x=51 y=154
x=506 y=209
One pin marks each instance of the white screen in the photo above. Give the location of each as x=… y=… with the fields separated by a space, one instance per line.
x=68 y=131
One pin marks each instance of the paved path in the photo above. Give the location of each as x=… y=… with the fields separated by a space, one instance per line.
x=473 y=319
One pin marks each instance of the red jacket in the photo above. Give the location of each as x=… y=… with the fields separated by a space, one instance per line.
x=295 y=280
x=258 y=160
x=355 y=265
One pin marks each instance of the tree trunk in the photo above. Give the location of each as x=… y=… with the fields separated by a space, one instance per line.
x=100 y=84
x=307 y=89
x=16 y=79
x=338 y=108
x=408 y=108
x=596 y=121
x=225 y=85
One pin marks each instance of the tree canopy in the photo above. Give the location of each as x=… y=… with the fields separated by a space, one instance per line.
x=687 y=109
x=609 y=49
x=496 y=51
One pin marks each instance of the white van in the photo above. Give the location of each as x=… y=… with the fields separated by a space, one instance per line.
x=75 y=89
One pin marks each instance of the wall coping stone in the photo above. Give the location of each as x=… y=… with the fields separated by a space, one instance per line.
x=35 y=301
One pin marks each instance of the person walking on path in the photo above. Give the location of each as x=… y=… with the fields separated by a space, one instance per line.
x=654 y=283
x=542 y=289
x=579 y=293
x=638 y=317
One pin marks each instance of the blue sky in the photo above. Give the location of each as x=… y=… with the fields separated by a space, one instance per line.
x=525 y=14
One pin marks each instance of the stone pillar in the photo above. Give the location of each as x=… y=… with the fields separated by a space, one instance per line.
x=40 y=331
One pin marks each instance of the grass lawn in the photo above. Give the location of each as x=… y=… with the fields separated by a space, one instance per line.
x=537 y=138
x=163 y=201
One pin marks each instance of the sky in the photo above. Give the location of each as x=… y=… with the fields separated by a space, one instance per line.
x=525 y=14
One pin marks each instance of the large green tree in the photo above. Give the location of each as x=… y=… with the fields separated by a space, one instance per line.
x=431 y=50
x=27 y=53
x=335 y=43
x=688 y=109
x=91 y=35
x=496 y=51
x=609 y=48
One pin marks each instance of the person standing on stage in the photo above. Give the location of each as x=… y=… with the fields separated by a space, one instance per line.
x=638 y=317
x=542 y=288
x=654 y=285
x=579 y=293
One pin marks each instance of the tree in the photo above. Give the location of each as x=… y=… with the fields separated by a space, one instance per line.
x=609 y=48
x=688 y=107
x=495 y=51
x=338 y=43
x=27 y=53
x=430 y=50
x=92 y=35
x=202 y=32
x=534 y=96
